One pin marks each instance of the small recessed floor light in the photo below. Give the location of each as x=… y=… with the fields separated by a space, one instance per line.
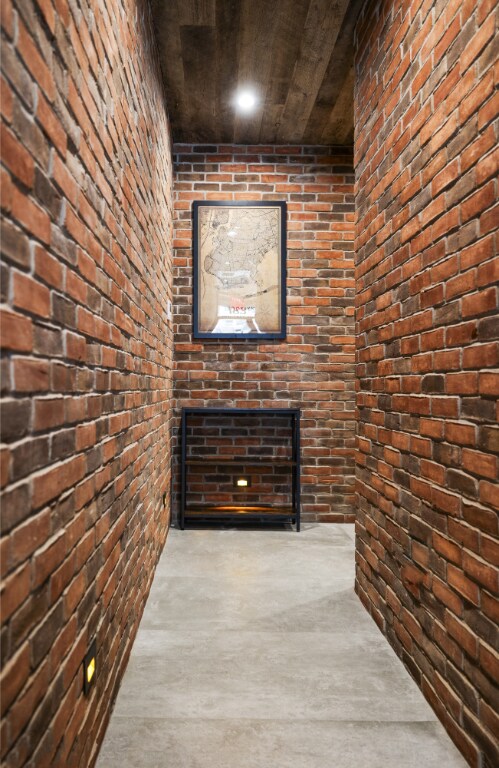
x=89 y=668
x=246 y=101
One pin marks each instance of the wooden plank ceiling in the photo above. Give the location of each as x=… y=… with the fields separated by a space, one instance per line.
x=297 y=55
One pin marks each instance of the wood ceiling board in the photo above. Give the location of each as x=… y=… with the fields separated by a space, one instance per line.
x=340 y=124
x=199 y=57
x=338 y=69
x=295 y=52
x=227 y=43
x=322 y=27
x=191 y=13
x=286 y=52
x=170 y=55
x=257 y=34
x=326 y=100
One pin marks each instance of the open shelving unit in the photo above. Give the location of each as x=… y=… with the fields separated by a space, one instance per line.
x=221 y=447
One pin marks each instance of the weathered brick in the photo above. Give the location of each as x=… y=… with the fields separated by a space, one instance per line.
x=16 y=157
x=48 y=412
x=14 y=243
x=15 y=674
x=427 y=208
x=17 y=332
x=65 y=243
x=48 y=268
x=30 y=375
x=15 y=589
x=16 y=507
x=26 y=538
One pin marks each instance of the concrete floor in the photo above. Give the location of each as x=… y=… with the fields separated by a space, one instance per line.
x=255 y=652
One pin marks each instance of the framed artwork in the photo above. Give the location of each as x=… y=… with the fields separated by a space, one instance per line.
x=239 y=253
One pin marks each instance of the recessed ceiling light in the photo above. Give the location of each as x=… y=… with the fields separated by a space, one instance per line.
x=246 y=101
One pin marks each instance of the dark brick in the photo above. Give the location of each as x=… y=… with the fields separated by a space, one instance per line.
x=14 y=244
x=14 y=419
x=424 y=239
x=458 y=481
x=16 y=506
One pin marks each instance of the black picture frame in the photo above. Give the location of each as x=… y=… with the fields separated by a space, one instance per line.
x=239 y=322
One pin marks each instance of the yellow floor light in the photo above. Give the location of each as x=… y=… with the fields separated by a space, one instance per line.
x=89 y=668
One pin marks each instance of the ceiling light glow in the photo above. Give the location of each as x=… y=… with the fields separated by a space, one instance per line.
x=246 y=101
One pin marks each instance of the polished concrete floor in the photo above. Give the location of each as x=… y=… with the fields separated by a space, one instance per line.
x=255 y=652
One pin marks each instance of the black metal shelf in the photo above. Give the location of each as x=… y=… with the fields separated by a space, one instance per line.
x=239 y=509
x=240 y=514
x=234 y=512
x=254 y=461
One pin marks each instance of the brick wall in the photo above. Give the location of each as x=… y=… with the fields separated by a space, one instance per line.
x=313 y=369
x=426 y=275
x=86 y=272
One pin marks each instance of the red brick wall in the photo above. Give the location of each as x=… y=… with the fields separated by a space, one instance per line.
x=86 y=272
x=313 y=369
x=426 y=275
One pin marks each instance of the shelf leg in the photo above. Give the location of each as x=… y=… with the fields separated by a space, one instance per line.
x=183 y=469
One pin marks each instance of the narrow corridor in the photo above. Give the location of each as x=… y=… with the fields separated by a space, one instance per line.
x=254 y=652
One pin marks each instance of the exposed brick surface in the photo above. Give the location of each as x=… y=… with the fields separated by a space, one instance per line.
x=87 y=358
x=313 y=368
x=427 y=352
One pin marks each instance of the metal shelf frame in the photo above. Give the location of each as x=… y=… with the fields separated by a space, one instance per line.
x=233 y=513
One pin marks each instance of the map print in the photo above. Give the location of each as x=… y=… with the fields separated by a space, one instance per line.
x=239 y=269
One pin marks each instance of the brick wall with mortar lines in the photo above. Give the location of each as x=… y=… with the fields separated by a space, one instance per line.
x=426 y=277
x=86 y=366
x=313 y=368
